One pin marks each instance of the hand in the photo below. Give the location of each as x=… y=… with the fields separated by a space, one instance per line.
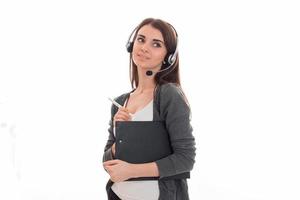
x=119 y=170
x=123 y=114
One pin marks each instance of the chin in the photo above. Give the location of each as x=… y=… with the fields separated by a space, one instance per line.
x=143 y=65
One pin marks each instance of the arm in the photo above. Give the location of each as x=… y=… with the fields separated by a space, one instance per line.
x=176 y=113
x=145 y=170
x=108 y=154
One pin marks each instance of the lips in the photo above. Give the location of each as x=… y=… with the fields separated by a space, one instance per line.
x=142 y=56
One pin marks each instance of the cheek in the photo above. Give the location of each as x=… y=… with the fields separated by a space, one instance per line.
x=163 y=53
x=134 y=59
x=160 y=56
x=135 y=49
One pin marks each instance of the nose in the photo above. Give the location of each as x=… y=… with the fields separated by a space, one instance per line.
x=144 y=48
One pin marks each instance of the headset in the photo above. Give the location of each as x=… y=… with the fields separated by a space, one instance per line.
x=171 y=58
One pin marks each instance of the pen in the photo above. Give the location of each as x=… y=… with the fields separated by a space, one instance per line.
x=116 y=104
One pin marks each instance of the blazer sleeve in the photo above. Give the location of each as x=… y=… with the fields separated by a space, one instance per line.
x=176 y=113
x=108 y=155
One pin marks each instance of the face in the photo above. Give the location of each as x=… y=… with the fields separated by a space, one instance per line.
x=149 y=49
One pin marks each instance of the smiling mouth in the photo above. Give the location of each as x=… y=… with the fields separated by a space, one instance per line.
x=142 y=56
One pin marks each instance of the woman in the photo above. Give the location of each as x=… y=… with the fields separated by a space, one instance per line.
x=157 y=96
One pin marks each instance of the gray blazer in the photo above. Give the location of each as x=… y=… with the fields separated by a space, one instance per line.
x=171 y=107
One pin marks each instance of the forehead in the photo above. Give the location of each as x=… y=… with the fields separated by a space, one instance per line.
x=150 y=32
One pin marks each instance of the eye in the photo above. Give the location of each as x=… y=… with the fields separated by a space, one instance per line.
x=156 y=44
x=140 y=39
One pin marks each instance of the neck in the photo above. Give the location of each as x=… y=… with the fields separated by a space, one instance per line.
x=146 y=83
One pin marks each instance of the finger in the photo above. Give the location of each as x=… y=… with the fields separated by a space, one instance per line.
x=124 y=109
x=117 y=117
x=108 y=169
x=121 y=118
x=121 y=113
x=124 y=114
x=106 y=164
x=111 y=162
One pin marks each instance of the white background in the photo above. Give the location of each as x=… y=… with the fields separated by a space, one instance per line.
x=239 y=64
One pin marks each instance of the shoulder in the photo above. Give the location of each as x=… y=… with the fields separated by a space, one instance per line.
x=172 y=91
x=121 y=98
x=172 y=97
x=169 y=86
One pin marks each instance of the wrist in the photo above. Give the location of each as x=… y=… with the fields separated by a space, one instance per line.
x=134 y=170
x=144 y=170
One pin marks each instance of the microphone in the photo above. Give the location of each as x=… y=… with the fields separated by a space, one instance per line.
x=150 y=73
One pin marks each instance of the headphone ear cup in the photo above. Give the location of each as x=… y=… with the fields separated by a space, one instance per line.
x=171 y=59
x=129 y=47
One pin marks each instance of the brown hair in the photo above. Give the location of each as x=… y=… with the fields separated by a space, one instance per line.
x=170 y=38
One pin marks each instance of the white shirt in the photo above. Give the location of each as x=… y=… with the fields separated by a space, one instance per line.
x=137 y=190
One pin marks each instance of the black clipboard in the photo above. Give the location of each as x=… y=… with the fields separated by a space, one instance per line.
x=142 y=142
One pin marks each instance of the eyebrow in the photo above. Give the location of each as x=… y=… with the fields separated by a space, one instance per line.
x=156 y=40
